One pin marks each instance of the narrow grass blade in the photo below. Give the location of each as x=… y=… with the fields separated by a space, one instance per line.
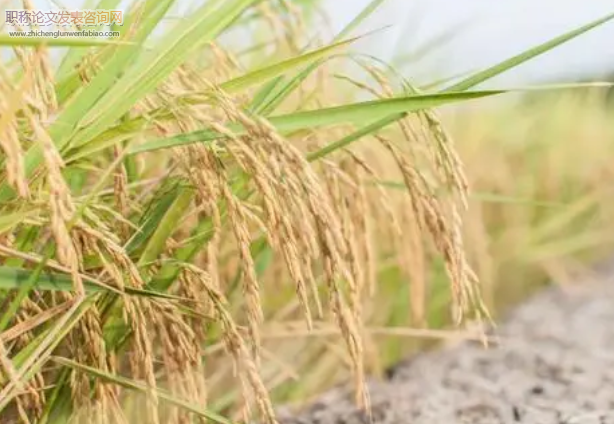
x=270 y=97
x=169 y=271
x=486 y=197
x=11 y=220
x=24 y=241
x=128 y=129
x=18 y=278
x=356 y=113
x=265 y=74
x=264 y=96
x=27 y=283
x=350 y=138
x=167 y=225
x=113 y=62
x=150 y=14
x=567 y=246
x=140 y=387
x=186 y=253
x=466 y=84
x=155 y=65
x=57 y=408
x=359 y=19
x=36 y=353
x=162 y=201
x=64 y=126
x=512 y=62
x=370 y=110
x=73 y=56
x=500 y=198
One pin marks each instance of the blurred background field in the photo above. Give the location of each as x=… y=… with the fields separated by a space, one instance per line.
x=171 y=212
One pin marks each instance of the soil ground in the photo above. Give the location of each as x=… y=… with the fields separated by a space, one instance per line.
x=554 y=364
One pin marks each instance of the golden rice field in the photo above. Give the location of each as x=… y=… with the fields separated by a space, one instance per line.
x=194 y=229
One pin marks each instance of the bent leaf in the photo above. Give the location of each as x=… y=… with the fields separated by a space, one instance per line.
x=265 y=74
x=14 y=278
x=140 y=387
x=352 y=113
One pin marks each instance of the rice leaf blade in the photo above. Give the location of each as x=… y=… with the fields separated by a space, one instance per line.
x=143 y=388
x=267 y=73
x=355 y=112
x=525 y=56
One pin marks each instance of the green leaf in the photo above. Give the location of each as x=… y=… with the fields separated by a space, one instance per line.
x=270 y=97
x=153 y=66
x=57 y=408
x=170 y=270
x=85 y=100
x=36 y=353
x=264 y=96
x=352 y=137
x=201 y=234
x=11 y=220
x=162 y=201
x=112 y=61
x=24 y=290
x=463 y=85
x=111 y=137
x=267 y=73
x=25 y=240
x=512 y=62
x=16 y=278
x=360 y=18
x=486 y=197
x=143 y=388
x=352 y=113
x=73 y=56
x=167 y=225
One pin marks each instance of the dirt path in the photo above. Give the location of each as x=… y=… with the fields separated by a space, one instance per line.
x=555 y=364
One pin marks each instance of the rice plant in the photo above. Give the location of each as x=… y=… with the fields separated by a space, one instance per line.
x=174 y=200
